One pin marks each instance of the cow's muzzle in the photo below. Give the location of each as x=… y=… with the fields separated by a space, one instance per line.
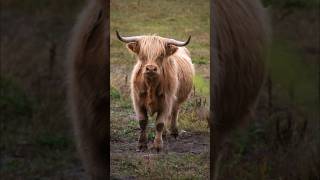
x=151 y=70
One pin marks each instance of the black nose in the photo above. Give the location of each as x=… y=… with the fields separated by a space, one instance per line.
x=151 y=68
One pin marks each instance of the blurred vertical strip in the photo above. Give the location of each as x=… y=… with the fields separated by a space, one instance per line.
x=213 y=152
x=89 y=87
x=317 y=12
x=107 y=55
x=238 y=41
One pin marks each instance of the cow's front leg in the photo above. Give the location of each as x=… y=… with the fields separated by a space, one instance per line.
x=158 y=142
x=143 y=122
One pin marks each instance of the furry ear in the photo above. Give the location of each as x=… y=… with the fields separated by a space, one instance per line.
x=134 y=47
x=171 y=49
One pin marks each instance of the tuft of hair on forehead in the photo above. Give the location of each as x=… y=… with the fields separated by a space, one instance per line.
x=152 y=46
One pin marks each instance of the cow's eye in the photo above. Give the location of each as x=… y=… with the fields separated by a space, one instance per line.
x=160 y=57
x=143 y=58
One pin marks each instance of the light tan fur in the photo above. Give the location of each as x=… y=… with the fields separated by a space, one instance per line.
x=164 y=93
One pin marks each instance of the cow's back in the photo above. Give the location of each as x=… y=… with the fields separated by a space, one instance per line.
x=185 y=72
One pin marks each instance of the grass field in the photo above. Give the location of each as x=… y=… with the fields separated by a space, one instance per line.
x=188 y=156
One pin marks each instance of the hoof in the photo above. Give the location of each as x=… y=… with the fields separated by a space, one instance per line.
x=157 y=146
x=164 y=136
x=156 y=149
x=142 y=147
x=174 y=133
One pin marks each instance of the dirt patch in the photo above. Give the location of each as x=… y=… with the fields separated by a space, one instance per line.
x=186 y=142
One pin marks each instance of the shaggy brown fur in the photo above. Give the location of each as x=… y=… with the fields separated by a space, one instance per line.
x=237 y=65
x=163 y=90
x=88 y=86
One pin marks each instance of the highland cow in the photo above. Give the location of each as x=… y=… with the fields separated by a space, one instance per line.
x=160 y=82
x=88 y=93
x=237 y=65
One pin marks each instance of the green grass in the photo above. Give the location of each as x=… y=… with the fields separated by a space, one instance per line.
x=200 y=60
x=191 y=122
x=114 y=93
x=168 y=166
x=13 y=101
x=173 y=19
x=16 y=111
x=296 y=77
x=22 y=144
x=53 y=141
x=201 y=85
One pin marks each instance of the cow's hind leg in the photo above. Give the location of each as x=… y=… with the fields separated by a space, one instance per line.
x=174 y=121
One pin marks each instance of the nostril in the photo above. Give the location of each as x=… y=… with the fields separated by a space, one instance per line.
x=151 y=68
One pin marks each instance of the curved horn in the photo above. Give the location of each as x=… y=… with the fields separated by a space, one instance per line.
x=128 y=39
x=179 y=43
